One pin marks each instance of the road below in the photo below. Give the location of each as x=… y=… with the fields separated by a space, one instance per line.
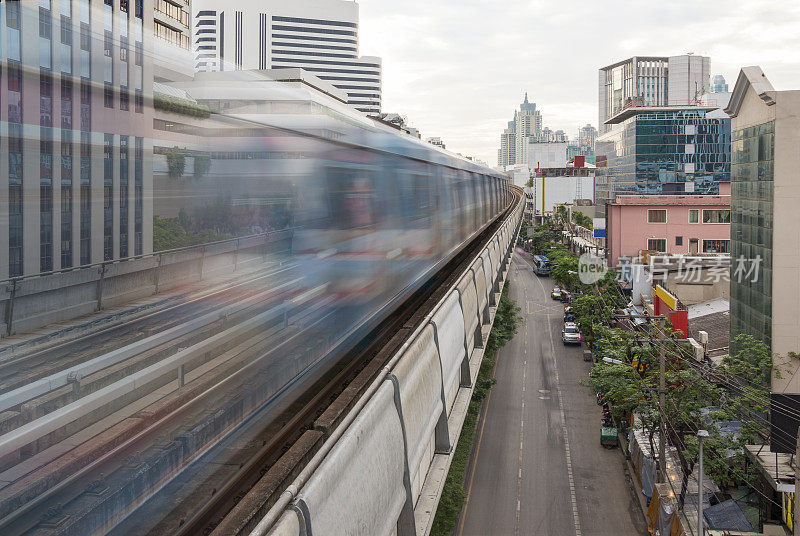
x=539 y=467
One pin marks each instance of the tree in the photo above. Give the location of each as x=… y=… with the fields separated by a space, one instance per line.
x=176 y=162
x=582 y=219
x=168 y=234
x=202 y=164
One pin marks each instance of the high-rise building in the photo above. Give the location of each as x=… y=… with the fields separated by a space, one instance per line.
x=718 y=84
x=765 y=127
x=77 y=151
x=651 y=81
x=171 y=22
x=320 y=36
x=528 y=124
x=506 y=155
x=586 y=137
x=515 y=140
x=662 y=150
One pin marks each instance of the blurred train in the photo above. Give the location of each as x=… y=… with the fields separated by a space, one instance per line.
x=372 y=221
x=373 y=210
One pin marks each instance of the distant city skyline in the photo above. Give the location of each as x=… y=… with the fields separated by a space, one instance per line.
x=452 y=85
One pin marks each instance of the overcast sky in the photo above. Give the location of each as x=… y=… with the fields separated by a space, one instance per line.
x=458 y=68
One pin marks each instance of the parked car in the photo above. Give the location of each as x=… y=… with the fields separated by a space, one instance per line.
x=565 y=296
x=569 y=314
x=571 y=334
x=556 y=294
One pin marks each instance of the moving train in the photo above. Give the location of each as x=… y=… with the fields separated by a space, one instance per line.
x=374 y=219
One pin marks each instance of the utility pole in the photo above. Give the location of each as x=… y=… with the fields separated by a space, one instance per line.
x=701 y=435
x=662 y=408
x=796 y=505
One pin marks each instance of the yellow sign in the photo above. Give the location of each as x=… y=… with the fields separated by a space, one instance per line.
x=788 y=505
x=670 y=300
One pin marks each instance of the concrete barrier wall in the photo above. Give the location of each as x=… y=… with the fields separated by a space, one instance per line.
x=448 y=323
x=419 y=376
x=359 y=488
x=397 y=450
x=469 y=308
x=32 y=302
x=489 y=272
x=480 y=287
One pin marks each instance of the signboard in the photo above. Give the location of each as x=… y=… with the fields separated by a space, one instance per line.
x=668 y=299
x=599 y=233
x=599 y=223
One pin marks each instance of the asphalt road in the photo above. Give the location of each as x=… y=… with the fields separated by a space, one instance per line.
x=539 y=467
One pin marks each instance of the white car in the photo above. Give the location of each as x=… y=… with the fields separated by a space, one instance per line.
x=571 y=334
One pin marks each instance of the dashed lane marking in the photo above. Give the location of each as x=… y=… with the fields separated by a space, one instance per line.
x=573 y=496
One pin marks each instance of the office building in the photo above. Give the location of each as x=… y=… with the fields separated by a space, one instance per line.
x=522 y=130
x=671 y=224
x=651 y=81
x=320 y=36
x=662 y=150
x=171 y=22
x=765 y=126
x=718 y=84
x=586 y=137
x=76 y=153
x=507 y=153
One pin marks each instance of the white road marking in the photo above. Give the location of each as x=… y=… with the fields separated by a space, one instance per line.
x=575 y=518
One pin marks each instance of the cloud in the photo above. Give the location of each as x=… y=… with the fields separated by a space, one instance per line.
x=458 y=69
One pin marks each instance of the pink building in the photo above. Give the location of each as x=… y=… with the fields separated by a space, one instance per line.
x=674 y=224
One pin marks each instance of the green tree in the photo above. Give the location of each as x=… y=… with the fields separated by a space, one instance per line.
x=202 y=164
x=168 y=234
x=176 y=162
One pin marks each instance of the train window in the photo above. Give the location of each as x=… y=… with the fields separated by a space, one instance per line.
x=415 y=198
x=351 y=197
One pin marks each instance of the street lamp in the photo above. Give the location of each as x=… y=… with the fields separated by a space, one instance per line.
x=701 y=435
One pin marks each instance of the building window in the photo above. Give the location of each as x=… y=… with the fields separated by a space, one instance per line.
x=657 y=216
x=138 y=101
x=716 y=246
x=657 y=244
x=108 y=95
x=124 y=97
x=717 y=216
x=108 y=197
x=678 y=240
x=694 y=216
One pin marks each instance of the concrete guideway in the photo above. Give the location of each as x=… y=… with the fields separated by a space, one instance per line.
x=385 y=465
x=538 y=465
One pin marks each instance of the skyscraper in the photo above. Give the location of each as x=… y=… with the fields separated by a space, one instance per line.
x=77 y=154
x=718 y=84
x=651 y=81
x=320 y=36
x=524 y=128
x=586 y=137
x=171 y=22
x=765 y=273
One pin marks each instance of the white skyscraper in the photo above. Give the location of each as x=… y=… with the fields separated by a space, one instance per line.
x=651 y=81
x=320 y=36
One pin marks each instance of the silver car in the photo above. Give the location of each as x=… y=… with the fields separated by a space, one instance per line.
x=571 y=334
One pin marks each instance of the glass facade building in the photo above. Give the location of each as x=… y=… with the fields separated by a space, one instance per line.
x=752 y=175
x=663 y=152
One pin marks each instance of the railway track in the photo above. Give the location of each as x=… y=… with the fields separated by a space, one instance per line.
x=25 y=367
x=321 y=411
x=185 y=453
